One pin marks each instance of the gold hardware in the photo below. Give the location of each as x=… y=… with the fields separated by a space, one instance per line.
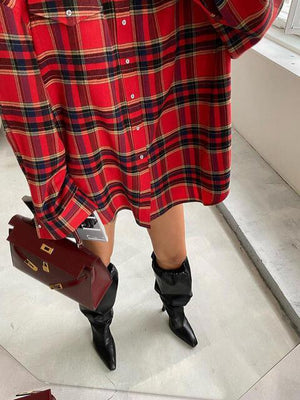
x=30 y=264
x=47 y=248
x=56 y=286
x=45 y=266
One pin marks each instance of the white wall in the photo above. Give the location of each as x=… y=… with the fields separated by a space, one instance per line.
x=266 y=110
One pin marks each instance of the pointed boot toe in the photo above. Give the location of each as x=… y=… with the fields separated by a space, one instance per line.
x=180 y=325
x=185 y=332
x=104 y=344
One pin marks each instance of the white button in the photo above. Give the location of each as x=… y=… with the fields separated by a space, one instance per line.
x=141 y=157
x=127 y=61
x=124 y=22
x=132 y=96
x=39 y=226
x=68 y=13
x=137 y=128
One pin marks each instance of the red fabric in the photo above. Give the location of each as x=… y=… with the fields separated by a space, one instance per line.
x=82 y=141
x=241 y=23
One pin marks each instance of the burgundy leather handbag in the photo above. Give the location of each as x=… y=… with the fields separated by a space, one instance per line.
x=68 y=267
x=36 y=395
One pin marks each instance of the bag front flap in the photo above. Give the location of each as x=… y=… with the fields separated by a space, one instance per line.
x=62 y=253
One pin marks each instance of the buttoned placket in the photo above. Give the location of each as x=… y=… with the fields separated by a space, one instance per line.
x=132 y=88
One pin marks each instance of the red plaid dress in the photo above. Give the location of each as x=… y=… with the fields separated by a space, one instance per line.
x=122 y=104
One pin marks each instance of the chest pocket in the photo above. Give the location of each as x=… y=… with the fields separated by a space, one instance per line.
x=71 y=14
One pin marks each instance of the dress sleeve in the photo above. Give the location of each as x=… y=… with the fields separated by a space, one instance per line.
x=32 y=131
x=241 y=23
x=8 y=3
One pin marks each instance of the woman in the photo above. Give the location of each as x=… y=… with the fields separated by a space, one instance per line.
x=125 y=104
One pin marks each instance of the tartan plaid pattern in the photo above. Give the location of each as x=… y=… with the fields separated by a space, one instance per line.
x=241 y=23
x=122 y=104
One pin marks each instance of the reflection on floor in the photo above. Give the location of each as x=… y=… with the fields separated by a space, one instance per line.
x=241 y=330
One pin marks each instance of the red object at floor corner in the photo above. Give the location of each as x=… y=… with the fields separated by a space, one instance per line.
x=36 y=395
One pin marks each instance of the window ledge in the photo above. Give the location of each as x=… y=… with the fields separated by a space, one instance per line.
x=291 y=42
x=282 y=49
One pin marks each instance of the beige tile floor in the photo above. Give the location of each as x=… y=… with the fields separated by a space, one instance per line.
x=282 y=382
x=241 y=330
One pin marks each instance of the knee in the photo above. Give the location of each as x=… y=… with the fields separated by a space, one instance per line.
x=100 y=249
x=105 y=259
x=170 y=261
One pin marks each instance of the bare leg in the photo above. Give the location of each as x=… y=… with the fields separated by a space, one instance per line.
x=167 y=234
x=104 y=250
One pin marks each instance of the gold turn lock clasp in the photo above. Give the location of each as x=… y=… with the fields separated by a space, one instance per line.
x=45 y=266
x=30 y=264
x=47 y=248
x=56 y=286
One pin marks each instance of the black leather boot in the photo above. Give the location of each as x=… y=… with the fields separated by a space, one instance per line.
x=101 y=319
x=175 y=290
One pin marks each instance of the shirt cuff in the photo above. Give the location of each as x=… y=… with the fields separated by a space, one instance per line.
x=77 y=209
x=8 y=3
